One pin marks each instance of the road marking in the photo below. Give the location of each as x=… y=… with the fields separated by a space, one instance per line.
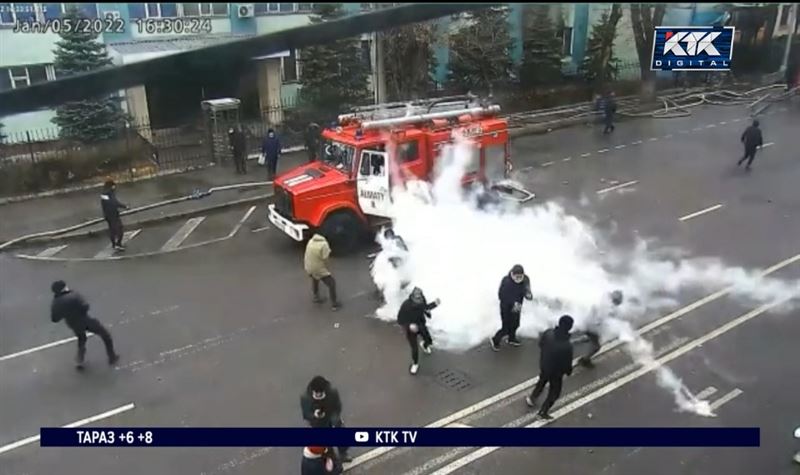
x=177 y=239
x=108 y=251
x=610 y=346
x=603 y=150
x=617 y=187
x=706 y=392
x=724 y=399
x=567 y=159
x=52 y=251
x=768 y=144
x=638 y=142
x=241 y=221
x=458 y=425
x=711 y=126
x=653 y=139
x=736 y=120
x=40 y=348
x=724 y=122
x=620 y=146
x=697 y=342
x=525 y=169
x=697 y=129
x=700 y=213
x=260 y=229
x=684 y=131
x=82 y=422
x=547 y=164
x=584 y=155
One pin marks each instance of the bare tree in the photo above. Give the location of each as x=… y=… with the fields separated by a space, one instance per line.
x=409 y=60
x=644 y=18
x=600 y=65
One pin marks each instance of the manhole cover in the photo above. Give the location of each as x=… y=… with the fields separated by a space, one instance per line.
x=454 y=379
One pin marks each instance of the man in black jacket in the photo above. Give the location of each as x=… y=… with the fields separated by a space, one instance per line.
x=411 y=317
x=555 y=361
x=322 y=407
x=514 y=287
x=271 y=148
x=239 y=148
x=752 y=139
x=72 y=308
x=111 y=206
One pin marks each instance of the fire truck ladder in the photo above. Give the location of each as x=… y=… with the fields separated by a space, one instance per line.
x=399 y=113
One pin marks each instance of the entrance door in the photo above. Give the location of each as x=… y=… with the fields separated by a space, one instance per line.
x=373 y=184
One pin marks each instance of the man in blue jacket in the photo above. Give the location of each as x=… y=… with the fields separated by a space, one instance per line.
x=271 y=148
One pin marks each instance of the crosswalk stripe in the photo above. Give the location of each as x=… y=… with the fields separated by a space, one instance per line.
x=177 y=239
x=51 y=251
x=108 y=251
x=706 y=392
x=724 y=399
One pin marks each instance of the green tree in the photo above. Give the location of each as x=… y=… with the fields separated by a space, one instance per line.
x=88 y=120
x=409 y=60
x=600 y=65
x=541 y=60
x=480 y=52
x=334 y=75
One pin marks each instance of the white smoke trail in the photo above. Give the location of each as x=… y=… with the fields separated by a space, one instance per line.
x=459 y=254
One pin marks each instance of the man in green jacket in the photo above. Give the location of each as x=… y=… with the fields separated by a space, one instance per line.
x=318 y=251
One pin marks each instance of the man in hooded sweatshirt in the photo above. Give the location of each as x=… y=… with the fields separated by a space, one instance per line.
x=555 y=361
x=74 y=310
x=594 y=324
x=322 y=407
x=514 y=287
x=111 y=206
x=318 y=252
x=411 y=317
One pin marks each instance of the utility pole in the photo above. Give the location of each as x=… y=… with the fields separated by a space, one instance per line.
x=790 y=36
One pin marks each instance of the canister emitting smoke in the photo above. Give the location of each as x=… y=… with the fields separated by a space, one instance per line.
x=459 y=253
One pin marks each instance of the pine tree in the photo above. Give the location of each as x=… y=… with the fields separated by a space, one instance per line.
x=600 y=65
x=88 y=120
x=541 y=60
x=480 y=52
x=409 y=60
x=334 y=75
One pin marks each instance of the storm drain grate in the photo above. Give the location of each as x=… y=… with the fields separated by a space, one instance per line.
x=454 y=379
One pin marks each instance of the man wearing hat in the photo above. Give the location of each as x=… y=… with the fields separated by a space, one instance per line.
x=72 y=308
x=514 y=287
x=555 y=361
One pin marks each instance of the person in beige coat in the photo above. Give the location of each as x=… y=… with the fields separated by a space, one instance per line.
x=318 y=252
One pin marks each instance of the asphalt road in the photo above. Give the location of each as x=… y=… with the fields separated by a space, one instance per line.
x=225 y=334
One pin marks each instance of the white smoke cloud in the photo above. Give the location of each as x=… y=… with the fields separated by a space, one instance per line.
x=459 y=254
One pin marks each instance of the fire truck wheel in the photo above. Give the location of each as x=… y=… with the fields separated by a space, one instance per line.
x=343 y=230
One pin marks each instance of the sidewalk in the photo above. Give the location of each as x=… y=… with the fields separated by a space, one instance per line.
x=44 y=214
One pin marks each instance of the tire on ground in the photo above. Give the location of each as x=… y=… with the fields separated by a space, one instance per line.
x=343 y=230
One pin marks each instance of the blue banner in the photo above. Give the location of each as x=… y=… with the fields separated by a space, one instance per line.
x=401 y=437
x=692 y=48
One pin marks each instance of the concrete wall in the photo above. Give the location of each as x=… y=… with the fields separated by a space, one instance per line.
x=268 y=73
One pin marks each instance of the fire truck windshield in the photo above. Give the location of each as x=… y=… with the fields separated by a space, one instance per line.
x=337 y=154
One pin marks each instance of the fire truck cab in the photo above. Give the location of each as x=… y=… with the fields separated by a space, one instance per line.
x=349 y=189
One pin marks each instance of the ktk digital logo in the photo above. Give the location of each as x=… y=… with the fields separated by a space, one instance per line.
x=692 y=48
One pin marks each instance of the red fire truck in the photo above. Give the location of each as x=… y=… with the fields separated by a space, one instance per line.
x=348 y=191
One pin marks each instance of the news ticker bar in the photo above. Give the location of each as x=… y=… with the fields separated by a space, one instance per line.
x=401 y=437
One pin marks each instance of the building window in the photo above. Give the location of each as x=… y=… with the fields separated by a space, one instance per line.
x=278 y=8
x=11 y=13
x=88 y=10
x=566 y=41
x=366 y=53
x=22 y=76
x=204 y=9
x=290 y=67
x=305 y=7
x=785 y=11
x=152 y=10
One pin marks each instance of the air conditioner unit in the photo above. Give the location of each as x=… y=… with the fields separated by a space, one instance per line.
x=247 y=10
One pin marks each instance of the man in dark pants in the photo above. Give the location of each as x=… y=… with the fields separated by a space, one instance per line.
x=322 y=408
x=111 y=207
x=609 y=109
x=555 y=361
x=315 y=261
x=514 y=287
x=72 y=308
x=752 y=139
x=271 y=148
x=239 y=148
x=593 y=328
x=312 y=141
x=412 y=315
